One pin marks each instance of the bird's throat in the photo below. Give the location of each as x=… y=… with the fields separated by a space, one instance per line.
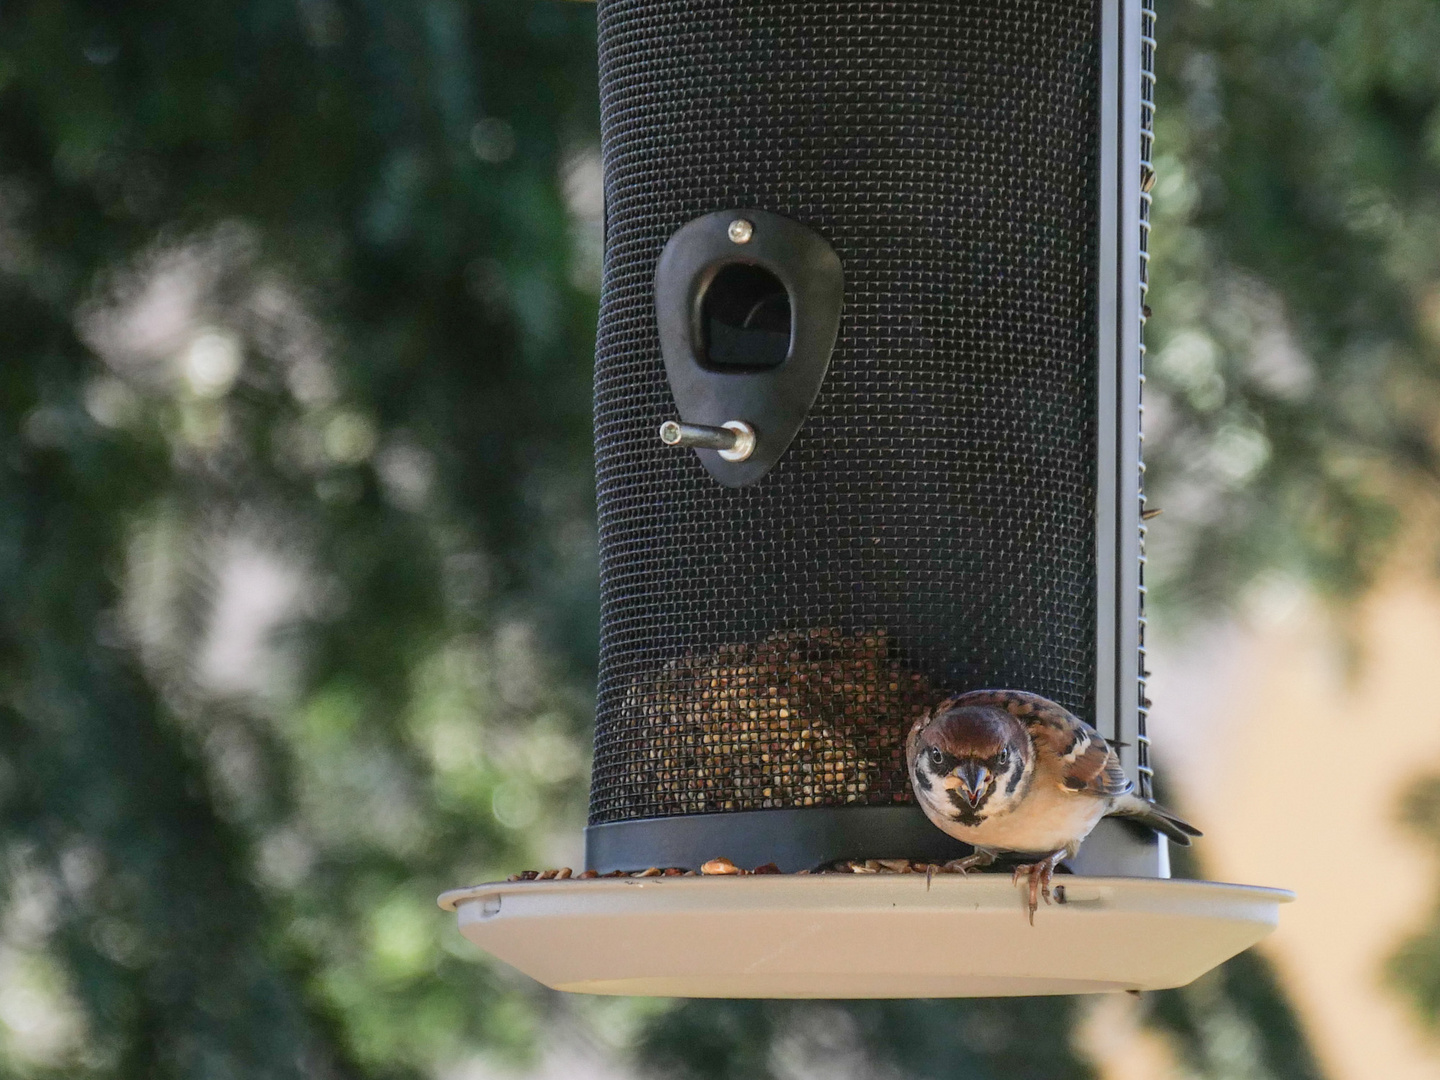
x=960 y=809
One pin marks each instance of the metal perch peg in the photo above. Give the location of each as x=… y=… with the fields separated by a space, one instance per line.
x=735 y=440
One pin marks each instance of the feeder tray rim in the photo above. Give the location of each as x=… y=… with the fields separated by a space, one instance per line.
x=855 y=935
x=451 y=899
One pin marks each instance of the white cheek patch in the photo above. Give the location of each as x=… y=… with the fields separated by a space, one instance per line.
x=938 y=806
x=924 y=781
x=1019 y=776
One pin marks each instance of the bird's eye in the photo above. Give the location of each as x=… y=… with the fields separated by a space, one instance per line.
x=1003 y=758
x=937 y=756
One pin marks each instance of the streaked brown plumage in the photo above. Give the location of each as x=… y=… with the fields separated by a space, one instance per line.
x=1007 y=771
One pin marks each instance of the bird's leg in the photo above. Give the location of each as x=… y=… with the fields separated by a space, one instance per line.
x=1040 y=874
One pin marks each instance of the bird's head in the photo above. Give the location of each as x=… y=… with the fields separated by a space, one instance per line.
x=976 y=757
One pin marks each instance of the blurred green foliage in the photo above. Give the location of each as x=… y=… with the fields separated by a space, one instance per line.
x=296 y=523
x=1415 y=965
x=984 y=1039
x=1291 y=419
x=297 y=575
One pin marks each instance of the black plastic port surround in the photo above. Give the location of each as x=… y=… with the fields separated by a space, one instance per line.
x=748 y=315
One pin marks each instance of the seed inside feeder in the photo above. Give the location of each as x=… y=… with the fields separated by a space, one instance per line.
x=813 y=718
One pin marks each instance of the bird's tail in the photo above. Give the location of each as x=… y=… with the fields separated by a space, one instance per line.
x=1155 y=816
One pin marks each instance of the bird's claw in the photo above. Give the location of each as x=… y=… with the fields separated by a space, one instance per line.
x=1039 y=874
x=959 y=866
x=970 y=862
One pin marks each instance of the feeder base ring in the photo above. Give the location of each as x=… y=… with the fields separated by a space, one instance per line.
x=806 y=839
x=861 y=936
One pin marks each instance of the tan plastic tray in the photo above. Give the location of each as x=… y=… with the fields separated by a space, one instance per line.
x=861 y=936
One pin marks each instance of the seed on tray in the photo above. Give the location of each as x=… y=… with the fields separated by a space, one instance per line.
x=722 y=867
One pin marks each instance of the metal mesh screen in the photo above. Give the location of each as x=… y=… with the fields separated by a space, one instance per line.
x=931 y=527
x=1147 y=180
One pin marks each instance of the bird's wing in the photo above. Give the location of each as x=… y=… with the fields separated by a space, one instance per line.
x=1087 y=763
x=912 y=741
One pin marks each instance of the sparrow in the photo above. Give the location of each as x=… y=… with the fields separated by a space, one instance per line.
x=1006 y=771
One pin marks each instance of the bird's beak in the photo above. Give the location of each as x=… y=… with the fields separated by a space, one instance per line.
x=974 y=779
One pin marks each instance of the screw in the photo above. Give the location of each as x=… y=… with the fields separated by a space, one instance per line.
x=735 y=440
x=740 y=231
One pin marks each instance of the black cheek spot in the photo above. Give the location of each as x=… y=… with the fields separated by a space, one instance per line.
x=920 y=779
x=1014 y=781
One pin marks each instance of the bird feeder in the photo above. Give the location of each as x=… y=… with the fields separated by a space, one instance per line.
x=867 y=421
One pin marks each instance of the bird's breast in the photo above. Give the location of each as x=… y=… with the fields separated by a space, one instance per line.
x=1045 y=820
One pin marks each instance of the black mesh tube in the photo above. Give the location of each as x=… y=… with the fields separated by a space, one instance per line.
x=931 y=528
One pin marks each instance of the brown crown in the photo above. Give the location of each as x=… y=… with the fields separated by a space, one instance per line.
x=980 y=731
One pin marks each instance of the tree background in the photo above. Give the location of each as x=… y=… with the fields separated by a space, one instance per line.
x=297 y=568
